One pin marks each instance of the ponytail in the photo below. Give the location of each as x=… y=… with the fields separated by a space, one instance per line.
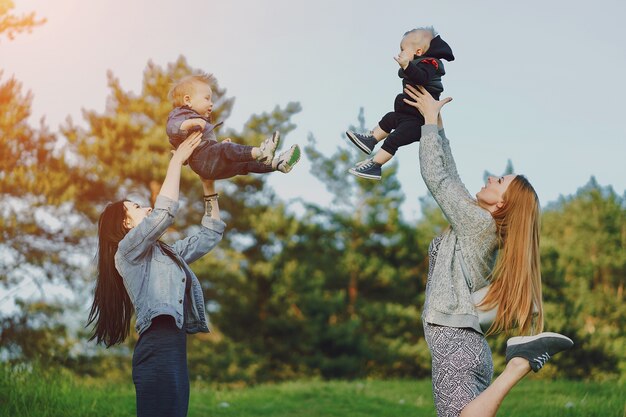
x=112 y=308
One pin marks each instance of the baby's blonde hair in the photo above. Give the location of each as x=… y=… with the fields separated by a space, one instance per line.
x=430 y=29
x=186 y=86
x=421 y=36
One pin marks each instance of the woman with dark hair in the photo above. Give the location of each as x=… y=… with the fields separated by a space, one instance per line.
x=137 y=272
x=493 y=240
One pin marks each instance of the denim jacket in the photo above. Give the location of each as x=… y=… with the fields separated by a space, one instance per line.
x=154 y=281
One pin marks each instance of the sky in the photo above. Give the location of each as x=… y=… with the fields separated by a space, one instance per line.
x=540 y=83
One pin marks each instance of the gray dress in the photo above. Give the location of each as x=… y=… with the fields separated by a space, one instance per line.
x=462 y=367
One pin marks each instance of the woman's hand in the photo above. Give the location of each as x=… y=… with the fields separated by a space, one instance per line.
x=171 y=183
x=186 y=148
x=425 y=103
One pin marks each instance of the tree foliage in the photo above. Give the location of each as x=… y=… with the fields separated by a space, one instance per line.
x=584 y=273
x=11 y=24
x=332 y=291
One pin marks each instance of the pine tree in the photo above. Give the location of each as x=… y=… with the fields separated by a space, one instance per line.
x=377 y=269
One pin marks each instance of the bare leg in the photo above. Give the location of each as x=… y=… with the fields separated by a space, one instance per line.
x=379 y=134
x=382 y=157
x=489 y=401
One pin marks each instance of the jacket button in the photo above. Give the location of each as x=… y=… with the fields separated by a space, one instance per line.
x=180 y=301
x=183 y=280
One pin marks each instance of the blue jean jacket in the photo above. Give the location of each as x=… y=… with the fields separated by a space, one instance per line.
x=154 y=281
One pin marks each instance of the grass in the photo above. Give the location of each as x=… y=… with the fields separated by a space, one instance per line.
x=50 y=394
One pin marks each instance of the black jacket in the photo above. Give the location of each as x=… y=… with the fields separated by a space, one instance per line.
x=425 y=70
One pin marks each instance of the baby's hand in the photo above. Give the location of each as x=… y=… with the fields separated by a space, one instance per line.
x=403 y=59
x=190 y=124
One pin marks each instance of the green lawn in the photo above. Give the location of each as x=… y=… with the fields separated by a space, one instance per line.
x=24 y=394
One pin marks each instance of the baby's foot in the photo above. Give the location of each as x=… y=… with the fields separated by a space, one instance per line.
x=366 y=143
x=268 y=148
x=367 y=169
x=286 y=160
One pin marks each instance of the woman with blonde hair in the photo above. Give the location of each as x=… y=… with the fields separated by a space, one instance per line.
x=493 y=240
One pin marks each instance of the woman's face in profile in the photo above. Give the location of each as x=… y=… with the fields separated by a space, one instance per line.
x=490 y=196
x=135 y=214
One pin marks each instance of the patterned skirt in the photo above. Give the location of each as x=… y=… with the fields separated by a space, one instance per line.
x=462 y=366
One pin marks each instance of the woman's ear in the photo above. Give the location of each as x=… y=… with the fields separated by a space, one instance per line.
x=500 y=204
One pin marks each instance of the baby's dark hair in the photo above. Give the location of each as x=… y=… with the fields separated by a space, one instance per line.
x=429 y=29
x=185 y=86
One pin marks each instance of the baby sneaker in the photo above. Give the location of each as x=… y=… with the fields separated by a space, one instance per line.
x=537 y=349
x=286 y=160
x=268 y=148
x=367 y=169
x=365 y=143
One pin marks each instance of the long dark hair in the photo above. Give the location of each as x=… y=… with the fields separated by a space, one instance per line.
x=111 y=309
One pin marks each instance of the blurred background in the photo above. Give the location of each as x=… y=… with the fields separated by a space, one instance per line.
x=319 y=274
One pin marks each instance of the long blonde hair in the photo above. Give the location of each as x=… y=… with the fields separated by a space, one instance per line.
x=516 y=277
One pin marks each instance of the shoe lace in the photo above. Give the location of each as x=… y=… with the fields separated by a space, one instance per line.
x=365 y=165
x=542 y=359
x=267 y=144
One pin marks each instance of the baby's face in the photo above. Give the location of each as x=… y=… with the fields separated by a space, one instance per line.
x=413 y=44
x=200 y=100
x=408 y=47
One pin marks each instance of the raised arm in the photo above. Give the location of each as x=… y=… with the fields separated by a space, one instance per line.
x=210 y=234
x=439 y=169
x=171 y=183
x=141 y=237
x=447 y=151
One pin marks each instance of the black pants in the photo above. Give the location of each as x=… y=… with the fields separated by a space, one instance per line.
x=404 y=126
x=220 y=160
x=160 y=370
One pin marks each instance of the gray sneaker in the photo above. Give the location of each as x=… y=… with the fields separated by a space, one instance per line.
x=287 y=159
x=537 y=349
x=367 y=169
x=366 y=143
x=268 y=148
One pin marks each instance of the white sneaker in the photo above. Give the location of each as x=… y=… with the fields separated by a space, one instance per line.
x=268 y=148
x=286 y=160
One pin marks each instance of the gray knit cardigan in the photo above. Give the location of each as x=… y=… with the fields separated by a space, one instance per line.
x=472 y=234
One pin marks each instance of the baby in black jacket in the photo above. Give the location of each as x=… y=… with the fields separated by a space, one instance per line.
x=421 y=52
